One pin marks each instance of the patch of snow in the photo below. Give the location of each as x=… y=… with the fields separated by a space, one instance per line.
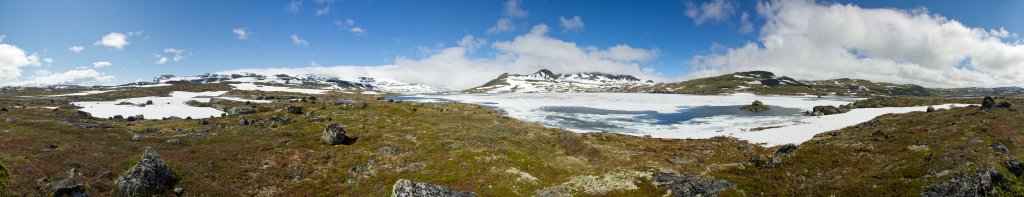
x=754 y=82
x=162 y=107
x=370 y=92
x=90 y=92
x=244 y=100
x=252 y=86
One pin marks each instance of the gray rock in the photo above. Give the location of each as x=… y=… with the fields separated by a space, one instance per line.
x=930 y=109
x=149 y=102
x=388 y=150
x=334 y=134
x=72 y=191
x=242 y=110
x=999 y=148
x=407 y=188
x=118 y=117
x=689 y=185
x=295 y=109
x=179 y=191
x=137 y=137
x=786 y=149
x=1004 y=104
x=173 y=141
x=829 y=110
x=988 y=102
x=130 y=118
x=1015 y=167
x=204 y=122
x=981 y=183
x=150 y=176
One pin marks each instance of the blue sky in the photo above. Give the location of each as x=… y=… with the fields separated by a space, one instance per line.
x=413 y=30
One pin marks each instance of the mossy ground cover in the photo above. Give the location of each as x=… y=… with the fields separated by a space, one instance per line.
x=465 y=147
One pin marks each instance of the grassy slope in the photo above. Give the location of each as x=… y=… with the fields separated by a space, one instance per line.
x=471 y=148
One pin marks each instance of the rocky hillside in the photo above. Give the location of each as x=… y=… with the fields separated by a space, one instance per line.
x=547 y=81
x=364 y=83
x=978 y=92
x=763 y=82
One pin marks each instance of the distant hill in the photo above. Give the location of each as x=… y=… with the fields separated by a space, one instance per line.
x=547 y=81
x=764 y=82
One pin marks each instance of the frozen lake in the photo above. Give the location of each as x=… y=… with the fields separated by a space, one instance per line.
x=674 y=115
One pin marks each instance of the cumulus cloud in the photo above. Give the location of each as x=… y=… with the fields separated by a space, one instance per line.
x=745 y=25
x=12 y=59
x=71 y=77
x=512 y=9
x=76 y=49
x=714 y=10
x=573 y=24
x=116 y=40
x=323 y=11
x=101 y=64
x=525 y=53
x=299 y=41
x=241 y=33
x=821 y=41
x=171 y=54
x=350 y=26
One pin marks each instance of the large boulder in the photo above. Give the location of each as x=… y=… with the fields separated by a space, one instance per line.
x=407 y=188
x=756 y=106
x=150 y=176
x=689 y=185
x=295 y=109
x=988 y=102
x=828 y=110
x=930 y=109
x=981 y=183
x=334 y=134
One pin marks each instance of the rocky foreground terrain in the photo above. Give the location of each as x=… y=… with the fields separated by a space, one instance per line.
x=351 y=144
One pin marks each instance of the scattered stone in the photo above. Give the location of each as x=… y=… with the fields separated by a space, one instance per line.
x=1015 y=167
x=407 y=188
x=786 y=149
x=118 y=117
x=334 y=134
x=243 y=121
x=173 y=141
x=150 y=176
x=999 y=148
x=988 y=102
x=1004 y=104
x=388 y=150
x=52 y=146
x=689 y=185
x=981 y=183
x=295 y=109
x=179 y=191
x=242 y=110
x=130 y=118
x=930 y=109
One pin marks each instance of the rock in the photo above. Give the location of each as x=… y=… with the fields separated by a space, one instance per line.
x=242 y=110
x=179 y=191
x=407 y=188
x=981 y=183
x=118 y=117
x=137 y=137
x=173 y=141
x=999 y=148
x=756 y=106
x=1015 y=167
x=334 y=134
x=295 y=109
x=204 y=122
x=3 y=109
x=1004 y=104
x=689 y=185
x=244 y=121
x=388 y=150
x=73 y=191
x=988 y=102
x=150 y=176
x=757 y=103
x=930 y=109
x=149 y=102
x=829 y=110
x=130 y=118
x=786 y=149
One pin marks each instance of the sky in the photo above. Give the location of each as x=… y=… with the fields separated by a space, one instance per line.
x=465 y=43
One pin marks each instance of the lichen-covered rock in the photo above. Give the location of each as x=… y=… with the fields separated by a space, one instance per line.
x=150 y=176
x=295 y=109
x=1015 y=167
x=407 y=188
x=334 y=134
x=999 y=148
x=981 y=183
x=242 y=110
x=786 y=149
x=829 y=110
x=689 y=185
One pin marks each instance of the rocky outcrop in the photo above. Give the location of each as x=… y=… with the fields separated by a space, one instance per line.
x=334 y=134
x=1015 y=167
x=407 y=188
x=150 y=176
x=295 y=109
x=242 y=110
x=756 y=106
x=829 y=110
x=981 y=183
x=769 y=161
x=689 y=185
x=988 y=102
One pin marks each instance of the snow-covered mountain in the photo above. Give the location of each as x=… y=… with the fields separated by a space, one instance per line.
x=547 y=81
x=362 y=83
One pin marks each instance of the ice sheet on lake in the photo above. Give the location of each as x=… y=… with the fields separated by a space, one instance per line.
x=90 y=92
x=162 y=107
x=672 y=115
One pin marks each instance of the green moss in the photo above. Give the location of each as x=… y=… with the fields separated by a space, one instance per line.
x=4 y=177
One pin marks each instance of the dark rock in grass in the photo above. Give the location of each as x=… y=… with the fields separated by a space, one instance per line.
x=150 y=176
x=1004 y=104
x=1015 y=167
x=988 y=102
x=689 y=185
x=204 y=122
x=118 y=117
x=179 y=191
x=388 y=150
x=3 y=109
x=130 y=118
x=72 y=191
x=999 y=148
x=930 y=109
x=334 y=134
x=786 y=149
x=407 y=188
x=295 y=109
x=242 y=110
x=980 y=183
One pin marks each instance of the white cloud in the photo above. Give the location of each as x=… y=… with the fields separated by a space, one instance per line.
x=76 y=76
x=503 y=25
x=350 y=26
x=745 y=25
x=48 y=61
x=101 y=64
x=12 y=59
x=821 y=41
x=357 y=30
x=512 y=9
x=323 y=11
x=526 y=53
x=241 y=33
x=714 y=10
x=299 y=41
x=573 y=24
x=173 y=54
x=114 y=39
x=76 y=49
x=294 y=6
